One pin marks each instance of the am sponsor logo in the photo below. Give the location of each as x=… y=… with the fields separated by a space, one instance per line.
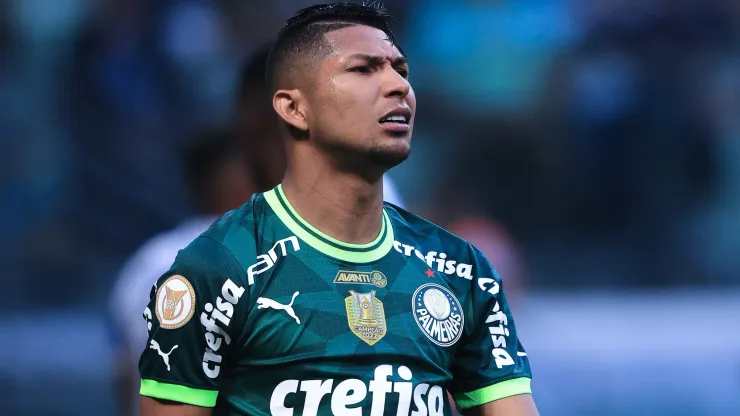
x=216 y=319
x=267 y=261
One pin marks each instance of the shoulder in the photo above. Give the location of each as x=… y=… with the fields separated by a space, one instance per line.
x=241 y=230
x=226 y=248
x=238 y=225
x=160 y=250
x=442 y=250
x=154 y=258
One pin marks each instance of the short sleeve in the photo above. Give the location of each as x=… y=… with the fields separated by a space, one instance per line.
x=193 y=322
x=490 y=363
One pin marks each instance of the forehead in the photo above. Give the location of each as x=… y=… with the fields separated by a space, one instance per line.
x=361 y=40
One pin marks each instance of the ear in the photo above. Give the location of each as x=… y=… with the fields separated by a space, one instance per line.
x=289 y=105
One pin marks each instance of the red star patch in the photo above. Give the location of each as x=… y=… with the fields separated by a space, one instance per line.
x=429 y=273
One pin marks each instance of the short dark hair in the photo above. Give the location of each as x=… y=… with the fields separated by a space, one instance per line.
x=303 y=35
x=206 y=151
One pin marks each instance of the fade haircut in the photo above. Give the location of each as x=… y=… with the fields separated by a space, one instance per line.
x=302 y=39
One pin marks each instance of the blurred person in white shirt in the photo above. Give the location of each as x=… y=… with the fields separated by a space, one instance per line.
x=218 y=179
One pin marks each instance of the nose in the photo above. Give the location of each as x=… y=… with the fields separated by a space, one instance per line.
x=396 y=85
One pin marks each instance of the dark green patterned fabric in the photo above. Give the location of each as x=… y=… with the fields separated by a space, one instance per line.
x=265 y=315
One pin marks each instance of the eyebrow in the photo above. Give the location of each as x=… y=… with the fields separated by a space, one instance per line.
x=377 y=59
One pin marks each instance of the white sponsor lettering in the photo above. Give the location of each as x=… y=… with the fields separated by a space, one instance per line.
x=148 y=319
x=215 y=333
x=344 y=397
x=489 y=285
x=437 y=261
x=266 y=261
x=148 y=312
x=497 y=322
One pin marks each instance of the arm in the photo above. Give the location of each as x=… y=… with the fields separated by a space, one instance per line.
x=193 y=320
x=491 y=374
x=156 y=407
x=519 y=405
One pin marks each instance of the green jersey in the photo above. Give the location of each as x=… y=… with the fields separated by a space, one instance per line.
x=265 y=315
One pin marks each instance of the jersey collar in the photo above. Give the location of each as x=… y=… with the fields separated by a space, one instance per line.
x=353 y=253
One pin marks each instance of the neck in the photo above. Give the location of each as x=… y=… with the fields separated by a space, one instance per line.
x=341 y=205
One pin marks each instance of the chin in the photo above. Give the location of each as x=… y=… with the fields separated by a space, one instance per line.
x=390 y=156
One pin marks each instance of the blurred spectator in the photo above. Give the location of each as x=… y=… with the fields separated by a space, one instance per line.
x=122 y=111
x=641 y=157
x=257 y=122
x=715 y=229
x=486 y=55
x=218 y=181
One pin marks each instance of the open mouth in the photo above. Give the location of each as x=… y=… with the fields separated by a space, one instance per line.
x=395 y=119
x=398 y=116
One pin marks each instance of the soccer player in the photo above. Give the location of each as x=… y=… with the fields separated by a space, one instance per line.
x=316 y=297
x=217 y=179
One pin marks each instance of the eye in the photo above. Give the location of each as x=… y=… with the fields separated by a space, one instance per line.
x=403 y=72
x=364 y=69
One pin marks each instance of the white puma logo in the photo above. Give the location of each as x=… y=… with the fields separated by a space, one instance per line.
x=263 y=303
x=166 y=357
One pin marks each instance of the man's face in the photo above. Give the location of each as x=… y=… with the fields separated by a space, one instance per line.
x=361 y=103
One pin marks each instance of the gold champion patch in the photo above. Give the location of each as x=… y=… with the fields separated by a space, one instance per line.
x=175 y=302
x=366 y=316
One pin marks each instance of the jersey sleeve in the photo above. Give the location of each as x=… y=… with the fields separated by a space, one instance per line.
x=193 y=322
x=490 y=363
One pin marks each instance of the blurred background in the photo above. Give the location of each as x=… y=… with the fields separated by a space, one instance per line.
x=590 y=148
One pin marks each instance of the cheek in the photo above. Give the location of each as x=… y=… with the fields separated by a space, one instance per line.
x=334 y=98
x=411 y=99
x=350 y=103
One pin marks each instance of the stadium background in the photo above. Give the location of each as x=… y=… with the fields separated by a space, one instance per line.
x=594 y=146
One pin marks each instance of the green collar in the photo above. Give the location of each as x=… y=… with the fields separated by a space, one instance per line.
x=353 y=253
